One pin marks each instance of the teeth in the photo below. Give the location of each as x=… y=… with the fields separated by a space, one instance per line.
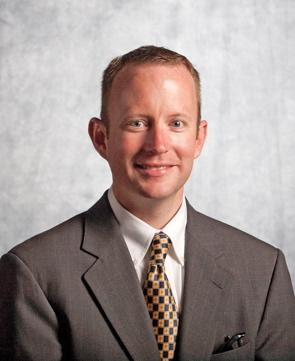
x=152 y=167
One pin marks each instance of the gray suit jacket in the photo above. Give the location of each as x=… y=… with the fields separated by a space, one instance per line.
x=72 y=293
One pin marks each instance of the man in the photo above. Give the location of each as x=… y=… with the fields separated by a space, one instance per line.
x=141 y=275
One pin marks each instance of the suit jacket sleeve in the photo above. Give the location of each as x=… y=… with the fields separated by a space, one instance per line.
x=28 y=323
x=276 y=335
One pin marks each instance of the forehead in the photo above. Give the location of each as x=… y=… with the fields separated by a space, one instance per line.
x=130 y=74
x=153 y=88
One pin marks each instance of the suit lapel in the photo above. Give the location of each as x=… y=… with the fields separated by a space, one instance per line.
x=115 y=285
x=204 y=286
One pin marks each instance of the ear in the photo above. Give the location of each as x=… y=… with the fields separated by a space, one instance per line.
x=98 y=134
x=201 y=137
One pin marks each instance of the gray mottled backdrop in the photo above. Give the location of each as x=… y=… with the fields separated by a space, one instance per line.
x=52 y=56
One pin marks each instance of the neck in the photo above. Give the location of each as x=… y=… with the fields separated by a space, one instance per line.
x=156 y=212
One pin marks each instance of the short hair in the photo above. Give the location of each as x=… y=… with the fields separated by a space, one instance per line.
x=145 y=55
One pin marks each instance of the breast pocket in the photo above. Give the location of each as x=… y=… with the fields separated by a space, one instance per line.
x=239 y=354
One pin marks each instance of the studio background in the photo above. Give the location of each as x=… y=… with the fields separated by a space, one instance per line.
x=52 y=57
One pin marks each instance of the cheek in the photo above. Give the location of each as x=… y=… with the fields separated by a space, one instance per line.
x=123 y=148
x=129 y=144
x=186 y=148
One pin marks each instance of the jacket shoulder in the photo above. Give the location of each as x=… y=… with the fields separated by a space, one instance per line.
x=59 y=239
x=223 y=238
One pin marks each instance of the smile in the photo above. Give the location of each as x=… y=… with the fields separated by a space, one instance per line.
x=154 y=170
x=144 y=166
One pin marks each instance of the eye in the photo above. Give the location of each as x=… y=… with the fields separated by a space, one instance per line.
x=177 y=123
x=136 y=123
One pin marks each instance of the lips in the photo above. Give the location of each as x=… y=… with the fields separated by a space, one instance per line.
x=153 y=166
x=154 y=169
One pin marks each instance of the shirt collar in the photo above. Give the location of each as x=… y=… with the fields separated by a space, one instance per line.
x=138 y=234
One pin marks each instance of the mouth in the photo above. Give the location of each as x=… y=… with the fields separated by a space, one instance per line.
x=153 y=170
x=153 y=166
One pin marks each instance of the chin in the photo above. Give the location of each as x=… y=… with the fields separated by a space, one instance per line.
x=158 y=193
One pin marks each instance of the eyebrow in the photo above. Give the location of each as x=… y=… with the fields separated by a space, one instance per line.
x=136 y=115
x=143 y=115
x=175 y=115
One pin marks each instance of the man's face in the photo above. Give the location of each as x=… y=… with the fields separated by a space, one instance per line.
x=152 y=136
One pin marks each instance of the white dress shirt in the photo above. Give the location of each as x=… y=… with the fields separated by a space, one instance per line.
x=138 y=236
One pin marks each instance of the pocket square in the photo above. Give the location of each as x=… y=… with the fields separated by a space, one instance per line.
x=232 y=342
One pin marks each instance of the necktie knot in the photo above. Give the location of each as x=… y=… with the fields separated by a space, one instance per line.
x=160 y=248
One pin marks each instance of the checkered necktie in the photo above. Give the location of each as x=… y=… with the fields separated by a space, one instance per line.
x=159 y=298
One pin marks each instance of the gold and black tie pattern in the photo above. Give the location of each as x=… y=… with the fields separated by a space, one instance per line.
x=159 y=298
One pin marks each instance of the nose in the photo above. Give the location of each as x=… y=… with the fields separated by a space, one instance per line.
x=157 y=140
